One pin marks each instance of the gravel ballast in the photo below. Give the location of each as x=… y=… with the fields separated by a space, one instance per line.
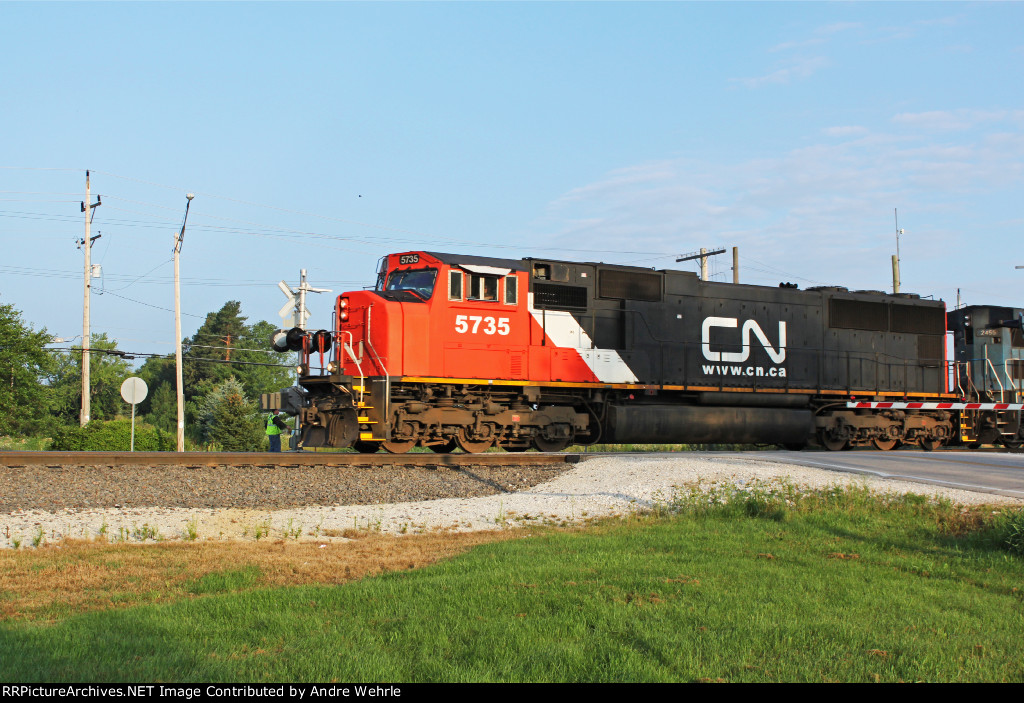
x=46 y=504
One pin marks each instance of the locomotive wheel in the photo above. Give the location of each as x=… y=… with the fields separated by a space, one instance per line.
x=515 y=447
x=398 y=447
x=314 y=436
x=472 y=446
x=831 y=443
x=550 y=445
x=1012 y=443
x=365 y=447
x=930 y=444
x=884 y=444
x=443 y=447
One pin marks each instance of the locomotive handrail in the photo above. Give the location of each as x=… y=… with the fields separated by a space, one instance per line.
x=1009 y=376
x=971 y=385
x=347 y=347
x=387 y=377
x=995 y=374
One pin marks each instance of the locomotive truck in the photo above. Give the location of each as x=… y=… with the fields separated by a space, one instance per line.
x=452 y=350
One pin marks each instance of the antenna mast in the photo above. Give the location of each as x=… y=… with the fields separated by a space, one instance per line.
x=896 y=258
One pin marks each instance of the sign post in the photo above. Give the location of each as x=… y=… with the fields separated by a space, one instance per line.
x=134 y=391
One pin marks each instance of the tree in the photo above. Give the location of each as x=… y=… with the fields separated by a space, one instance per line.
x=163 y=408
x=228 y=420
x=204 y=353
x=266 y=371
x=24 y=364
x=160 y=405
x=107 y=372
x=226 y=347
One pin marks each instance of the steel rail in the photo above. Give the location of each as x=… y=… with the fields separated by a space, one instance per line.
x=307 y=458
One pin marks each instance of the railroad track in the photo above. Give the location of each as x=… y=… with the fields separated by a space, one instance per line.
x=283 y=459
x=79 y=480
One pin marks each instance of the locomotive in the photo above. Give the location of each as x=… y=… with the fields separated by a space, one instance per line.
x=455 y=351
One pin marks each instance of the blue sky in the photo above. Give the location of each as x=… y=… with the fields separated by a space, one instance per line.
x=325 y=135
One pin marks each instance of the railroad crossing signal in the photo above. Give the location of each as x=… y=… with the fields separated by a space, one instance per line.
x=294 y=312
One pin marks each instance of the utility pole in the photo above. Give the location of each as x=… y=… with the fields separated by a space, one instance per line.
x=86 y=244
x=703 y=255
x=735 y=264
x=177 y=326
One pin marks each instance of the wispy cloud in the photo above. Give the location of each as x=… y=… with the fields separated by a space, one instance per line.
x=946 y=120
x=800 y=69
x=821 y=35
x=838 y=27
x=845 y=131
x=803 y=67
x=803 y=44
x=948 y=21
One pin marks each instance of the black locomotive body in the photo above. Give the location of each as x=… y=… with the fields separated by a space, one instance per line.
x=726 y=362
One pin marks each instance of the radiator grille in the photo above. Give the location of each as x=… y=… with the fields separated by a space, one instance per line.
x=553 y=296
x=914 y=319
x=629 y=285
x=858 y=315
x=931 y=348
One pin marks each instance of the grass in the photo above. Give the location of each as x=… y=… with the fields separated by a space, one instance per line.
x=62 y=581
x=757 y=583
x=24 y=444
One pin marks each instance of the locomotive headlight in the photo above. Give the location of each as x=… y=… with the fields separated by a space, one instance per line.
x=332 y=368
x=344 y=314
x=344 y=302
x=302 y=370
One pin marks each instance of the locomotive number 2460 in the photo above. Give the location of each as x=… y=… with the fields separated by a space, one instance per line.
x=487 y=325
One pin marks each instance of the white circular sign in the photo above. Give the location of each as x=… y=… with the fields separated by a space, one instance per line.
x=134 y=390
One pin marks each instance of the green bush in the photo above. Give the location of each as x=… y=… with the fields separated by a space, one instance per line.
x=112 y=436
x=1015 y=532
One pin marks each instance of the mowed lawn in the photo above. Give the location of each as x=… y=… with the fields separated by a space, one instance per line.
x=749 y=585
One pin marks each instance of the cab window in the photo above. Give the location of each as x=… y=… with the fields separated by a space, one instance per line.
x=511 y=290
x=483 y=287
x=455 y=285
x=419 y=282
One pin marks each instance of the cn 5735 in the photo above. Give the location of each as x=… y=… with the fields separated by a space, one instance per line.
x=452 y=351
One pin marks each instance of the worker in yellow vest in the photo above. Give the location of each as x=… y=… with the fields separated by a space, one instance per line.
x=275 y=424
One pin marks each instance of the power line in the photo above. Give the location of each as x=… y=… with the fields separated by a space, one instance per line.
x=281 y=232
x=150 y=305
x=149 y=355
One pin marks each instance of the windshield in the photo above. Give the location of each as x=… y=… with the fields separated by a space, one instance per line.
x=420 y=282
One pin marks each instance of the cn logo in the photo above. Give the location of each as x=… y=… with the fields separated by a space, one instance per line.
x=748 y=327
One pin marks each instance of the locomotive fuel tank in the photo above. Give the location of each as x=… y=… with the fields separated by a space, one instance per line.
x=683 y=424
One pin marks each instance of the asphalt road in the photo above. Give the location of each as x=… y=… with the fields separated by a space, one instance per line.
x=982 y=471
